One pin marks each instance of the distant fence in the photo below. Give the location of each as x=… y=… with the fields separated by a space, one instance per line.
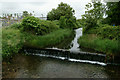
x=7 y=22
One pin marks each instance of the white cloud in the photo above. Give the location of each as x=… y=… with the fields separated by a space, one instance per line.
x=41 y=7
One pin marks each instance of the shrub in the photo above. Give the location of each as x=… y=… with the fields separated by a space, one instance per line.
x=110 y=32
x=37 y=26
x=12 y=41
x=62 y=22
x=16 y=26
x=71 y=22
x=98 y=44
x=48 y=40
x=56 y=22
x=30 y=23
x=68 y=23
x=46 y=27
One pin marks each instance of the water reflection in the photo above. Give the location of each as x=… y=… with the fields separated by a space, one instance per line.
x=42 y=67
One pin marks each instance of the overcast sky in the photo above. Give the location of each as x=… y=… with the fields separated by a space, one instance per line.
x=40 y=6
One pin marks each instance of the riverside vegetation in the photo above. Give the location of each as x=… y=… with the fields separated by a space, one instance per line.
x=16 y=36
x=101 y=34
x=98 y=32
x=35 y=33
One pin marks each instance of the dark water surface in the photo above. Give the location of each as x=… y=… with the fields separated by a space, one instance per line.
x=41 y=67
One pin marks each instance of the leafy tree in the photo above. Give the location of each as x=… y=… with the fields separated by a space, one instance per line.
x=71 y=22
x=93 y=15
x=62 y=22
x=25 y=14
x=63 y=9
x=113 y=12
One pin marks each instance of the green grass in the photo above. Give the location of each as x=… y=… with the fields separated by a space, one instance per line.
x=98 y=44
x=13 y=40
x=47 y=40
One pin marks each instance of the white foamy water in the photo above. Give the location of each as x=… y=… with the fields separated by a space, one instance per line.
x=73 y=60
x=75 y=48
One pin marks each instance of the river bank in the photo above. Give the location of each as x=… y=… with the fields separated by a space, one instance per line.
x=13 y=40
x=35 y=66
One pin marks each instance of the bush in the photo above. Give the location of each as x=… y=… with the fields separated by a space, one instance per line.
x=37 y=26
x=100 y=45
x=16 y=26
x=71 y=23
x=62 y=22
x=30 y=23
x=110 y=32
x=68 y=23
x=56 y=22
x=48 y=40
x=46 y=27
x=12 y=41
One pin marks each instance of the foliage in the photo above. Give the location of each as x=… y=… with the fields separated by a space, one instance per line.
x=99 y=44
x=68 y=23
x=110 y=32
x=56 y=22
x=63 y=9
x=64 y=13
x=37 y=26
x=113 y=11
x=62 y=22
x=48 y=40
x=80 y=22
x=71 y=22
x=12 y=41
x=26 y=14
x=93 y=16
x=93 y=30
x=16 y=25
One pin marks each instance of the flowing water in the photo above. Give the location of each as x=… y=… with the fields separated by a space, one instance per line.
x=60 y=63
x=75 y=48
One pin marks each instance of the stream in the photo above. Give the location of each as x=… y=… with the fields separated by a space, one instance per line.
x=60 y=63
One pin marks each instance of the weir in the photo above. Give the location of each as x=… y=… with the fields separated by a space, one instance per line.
x=72 y=54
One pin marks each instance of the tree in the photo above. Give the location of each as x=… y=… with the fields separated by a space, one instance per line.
x=15 y=14
x=94 y=15
x=113 y=13
x=63 y=9
x=25 y=14
x=62 y=22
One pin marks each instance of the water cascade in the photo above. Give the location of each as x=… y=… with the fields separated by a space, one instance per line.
x=75 y=48
x=73 y=54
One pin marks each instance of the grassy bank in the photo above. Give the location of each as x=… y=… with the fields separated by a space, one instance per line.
x=103 y=38
x=98 y=44
x=13 y=40
x=48 y=40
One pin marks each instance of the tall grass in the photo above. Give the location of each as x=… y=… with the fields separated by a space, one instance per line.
x=48 y=40
x=99 y=44
x=12 y=41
